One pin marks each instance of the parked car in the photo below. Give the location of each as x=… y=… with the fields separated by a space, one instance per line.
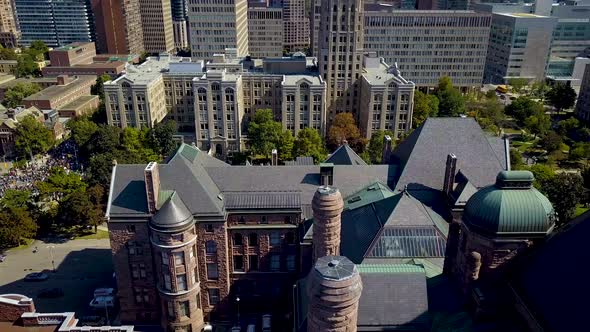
x=104 y=291
x=101 y=302
x=51 y=293
x=36 y=276
x=92 y=320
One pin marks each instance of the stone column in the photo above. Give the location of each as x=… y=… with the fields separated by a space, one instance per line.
x=327 y=206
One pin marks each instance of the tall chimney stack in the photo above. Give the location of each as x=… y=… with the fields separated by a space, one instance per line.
x=334 y=288
x=450 y=171
x=327 y=206
x=275 y=157
x=387 y=147
x=152 y=185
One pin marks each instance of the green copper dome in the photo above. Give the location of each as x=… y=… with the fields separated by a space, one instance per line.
x=510 y=207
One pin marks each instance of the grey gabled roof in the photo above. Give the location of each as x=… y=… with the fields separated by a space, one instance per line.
x=172 y=215
x=300 y=161
x=422 y=155
x=262 y=200
x=345 y=155
x=127 y=192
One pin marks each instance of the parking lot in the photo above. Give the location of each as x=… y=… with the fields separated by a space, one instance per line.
x=81 y=266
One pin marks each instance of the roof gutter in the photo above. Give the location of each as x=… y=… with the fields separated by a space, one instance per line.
x=110 y=200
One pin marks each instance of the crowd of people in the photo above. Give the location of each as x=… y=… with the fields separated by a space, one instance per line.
x=24 y=178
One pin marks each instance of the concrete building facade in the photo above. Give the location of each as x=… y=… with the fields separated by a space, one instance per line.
x=118 y=26
x=67 y=90
x=72 y=54
x=8 y=22
x=583 y=104
x=156 y=21
x=56 y=23
x=429 y=44
x=519 y=47
x=180 y=24
x=296 y=25
x=215 y=25
x=265 y=32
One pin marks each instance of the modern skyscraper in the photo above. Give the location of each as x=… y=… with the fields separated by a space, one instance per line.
x=118 y=26
x=265 y=31
x=179 y=23
x=215 y=25
x=296 y=25
x=55 y=22
x=156 y=20
x=9 y=32
x=340 y=53
x=315 y=8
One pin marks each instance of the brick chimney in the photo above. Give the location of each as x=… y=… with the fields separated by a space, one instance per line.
x=387 y=149
x=326 y=174
x=334 y=287
x=152 y=185
x=327 y=207
x=450 y=171
x=275 y=157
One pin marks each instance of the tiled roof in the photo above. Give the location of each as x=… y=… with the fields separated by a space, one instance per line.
x=389 y=268
x=262 y=200
x=345 y=155
x=300 y=161
x=422 y=155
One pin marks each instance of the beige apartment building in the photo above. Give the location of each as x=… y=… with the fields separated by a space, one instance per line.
x=215 y=25
x=387 y=99
x=137 y=98
x=265 y=32
x=429 y=44
x=296 y=25
x=8 y=24
x=156 y=19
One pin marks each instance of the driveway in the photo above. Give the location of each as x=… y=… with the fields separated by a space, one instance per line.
x=81 y=266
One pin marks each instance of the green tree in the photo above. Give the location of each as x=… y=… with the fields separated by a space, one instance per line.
x=14 y=95
x=580 y=151
x=451 y=101
x=60 y=183
x=105 y=139
x=16 y=225
x=163 y=137
x=81 y=129
x=98 y=88
x=100 y=167
x=38 y=49
x=568 y=126
x=264 y=133
x=77 y=209
x=32 y=137
x=539 y=89
x=542 y=173
x=344 y=129
x=285 y=145
x=309 y=143
x=16 y=199
x=517 y=83
x=136 y=144
x=7 y=54
x=561 y=97
x=26 y=66
x=551 y=142
x=375 y=148
x=524 y=107
x=516 y=159
x=565 y=191
x=425 y=106
x=537 y=124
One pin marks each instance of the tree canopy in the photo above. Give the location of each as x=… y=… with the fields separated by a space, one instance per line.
x=551 y=141
x=561 y=96
x=32 y=137
x=565 y=191
x=517 y=83
x=163 y=137
x=16 y=225
x=81 y=129
x=264 y=132
x=344 y=128
x=375 y=148
x=14 y=95
x=425 y=106
x=309 y=143
x=451 y=101
x=523 y=107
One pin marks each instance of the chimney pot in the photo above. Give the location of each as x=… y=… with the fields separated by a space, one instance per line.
x=152 y=185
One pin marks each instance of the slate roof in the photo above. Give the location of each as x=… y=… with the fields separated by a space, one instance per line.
x=262 y=200
x=422 y=155
x=345 y=155
x=300 y=161
x=393 y=297
x=553 y=282
x=172 y=215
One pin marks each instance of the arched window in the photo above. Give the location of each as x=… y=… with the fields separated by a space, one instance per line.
x=229 y=91
x=290 y=238
x=304 y=86
x=253 y=239
x=238 y=239
x=210 y=247
x=215 y=87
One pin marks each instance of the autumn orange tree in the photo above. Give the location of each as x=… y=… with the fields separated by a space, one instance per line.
x=344 y=129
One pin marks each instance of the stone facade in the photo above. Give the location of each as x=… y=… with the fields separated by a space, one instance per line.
x=12 y=306
x=327 y=206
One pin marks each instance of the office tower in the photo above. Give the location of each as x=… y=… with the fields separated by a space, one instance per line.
x=9 y=33
x=583 y=104
x=519 y=46
x=429 y=44
x=315 y=8
x=426 y=4
x=179 y=23
x=54 y=22
x=156 y=20
x=340 y=53
x=265 y=32
x=451 y=4
x=216 y=25
x=118 y=26
x=296 y=25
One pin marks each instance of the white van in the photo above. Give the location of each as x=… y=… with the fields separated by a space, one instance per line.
x=266 y=323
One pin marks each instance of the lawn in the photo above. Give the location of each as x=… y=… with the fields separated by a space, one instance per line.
x=27 y=243
x=100 y=234
x=581 y=209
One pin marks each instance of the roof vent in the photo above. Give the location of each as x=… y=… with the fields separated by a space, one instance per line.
x=515 y=180
x=354 y=199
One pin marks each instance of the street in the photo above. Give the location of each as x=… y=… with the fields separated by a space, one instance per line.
x=81 y=266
